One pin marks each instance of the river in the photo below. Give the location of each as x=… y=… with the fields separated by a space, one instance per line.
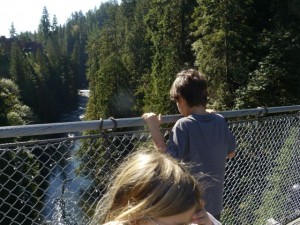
x=63 y=194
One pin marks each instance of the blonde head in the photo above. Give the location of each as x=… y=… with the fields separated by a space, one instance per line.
x=148 y=184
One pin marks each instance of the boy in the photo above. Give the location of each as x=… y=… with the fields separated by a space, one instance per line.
x=200 y=137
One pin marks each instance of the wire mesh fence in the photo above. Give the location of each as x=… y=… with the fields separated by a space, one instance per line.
x=58 y=180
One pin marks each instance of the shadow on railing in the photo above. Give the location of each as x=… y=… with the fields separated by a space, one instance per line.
x=57 y=178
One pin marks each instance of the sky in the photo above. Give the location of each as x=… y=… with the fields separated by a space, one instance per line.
x=26 y=14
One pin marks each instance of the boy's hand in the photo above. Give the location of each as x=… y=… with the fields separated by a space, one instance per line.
x=152 y=120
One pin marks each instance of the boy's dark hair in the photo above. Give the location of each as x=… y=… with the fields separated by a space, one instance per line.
x=191 y=85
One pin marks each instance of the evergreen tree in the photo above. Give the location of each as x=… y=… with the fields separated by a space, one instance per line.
x=116 y=99
x=21 y=73
x=43 y=74
x=4 y=64
x=277 y=59
x=93 y=65
x=16 y=64
x=44 y=26
x=69 y=84
x=54 y=26
x=223 y=46
x=168 y=28
x=77 y=41
x=111 y=35
x=12 y=31
x=103 y=47
x=273 y=83
x=76 y=64
x=136 y=49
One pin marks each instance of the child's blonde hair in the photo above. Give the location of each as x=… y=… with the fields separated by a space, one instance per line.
x=148 y=184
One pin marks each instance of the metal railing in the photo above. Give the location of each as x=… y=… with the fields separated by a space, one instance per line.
x=56 y=173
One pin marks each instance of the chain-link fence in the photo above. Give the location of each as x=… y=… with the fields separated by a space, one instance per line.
x=59 y=179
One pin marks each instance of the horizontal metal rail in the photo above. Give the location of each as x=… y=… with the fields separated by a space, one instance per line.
x=111 y=123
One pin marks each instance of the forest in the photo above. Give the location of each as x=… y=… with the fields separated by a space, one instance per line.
x=128 y=54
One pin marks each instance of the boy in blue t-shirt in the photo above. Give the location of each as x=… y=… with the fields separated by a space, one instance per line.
x=200 y=137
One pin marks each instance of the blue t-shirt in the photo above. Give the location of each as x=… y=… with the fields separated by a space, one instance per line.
x=204 y=141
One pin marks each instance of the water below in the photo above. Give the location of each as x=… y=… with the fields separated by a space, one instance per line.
x=63 y=194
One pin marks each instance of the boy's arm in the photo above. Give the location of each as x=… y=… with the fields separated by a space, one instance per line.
x=232 y=145
x=231 y=155
x=153 y=121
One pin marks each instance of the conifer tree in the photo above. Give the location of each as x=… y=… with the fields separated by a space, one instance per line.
x=12 y=30
x=168 y=28
x=136 y=51
x=114 y=96
x=76 y=63
x=21 y=73
x=277 y=56
x=93 y=65
x=223 y=46
x=4 y=64
x=54 y=26
x=103 y=48
x=44 y=26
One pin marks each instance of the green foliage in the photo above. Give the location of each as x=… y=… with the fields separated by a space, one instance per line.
x=117 y=63
x=241 y=46
x=168 y=29
x=44 y=26
x=223 y=46
x=276 y=193
x=111 y=96
x=247 y=49
x=229 y=215
x=46 y=72
x=22 y=74
x=136 y=53
x=130 y=53
x=12 y=30
x=20 y=189
x=4 y=63
x=276 y=74
x=12 y=110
